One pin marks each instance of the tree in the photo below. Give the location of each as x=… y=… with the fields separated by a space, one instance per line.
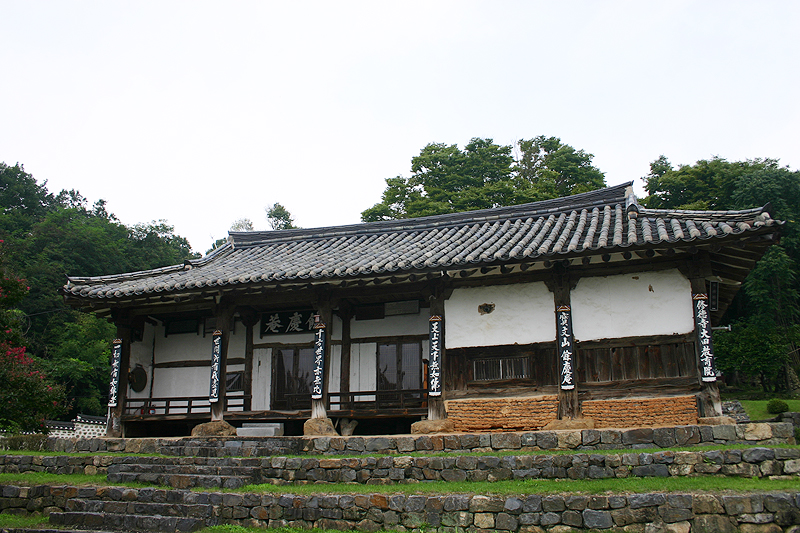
x=243 y=224
x=27 y=396
x=49 y=236
x=279 y=217
x=765 y=337
x=546 y=166
x=446 y=179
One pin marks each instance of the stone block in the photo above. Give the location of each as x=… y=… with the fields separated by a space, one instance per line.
x=712 y=523
x=757 y=431
x=595 y=519
x=638 y=436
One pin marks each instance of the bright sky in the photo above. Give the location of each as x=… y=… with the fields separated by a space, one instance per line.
x=202 y=113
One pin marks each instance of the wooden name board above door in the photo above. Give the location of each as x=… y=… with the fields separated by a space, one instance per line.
x=287 y=322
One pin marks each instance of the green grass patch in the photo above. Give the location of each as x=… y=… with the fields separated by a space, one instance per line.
x=29 y=479
x=242 y=529
x=80 y=454
x=8 y=520
x=43 y=478
x=757 y=409
x=542 y=486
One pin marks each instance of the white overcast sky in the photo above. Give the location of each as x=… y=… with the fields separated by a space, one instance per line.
x=202 y=113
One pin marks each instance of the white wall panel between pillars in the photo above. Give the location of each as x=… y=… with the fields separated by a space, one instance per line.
x=522 y=314
x=391 y=325
x=632 y=305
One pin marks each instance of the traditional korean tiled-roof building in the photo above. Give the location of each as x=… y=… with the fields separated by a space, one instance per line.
x=539 y=311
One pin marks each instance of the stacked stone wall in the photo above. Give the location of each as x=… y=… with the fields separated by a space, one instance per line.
x=509 y=414
x=641 y=412
x=757 y=434
x=180 y=510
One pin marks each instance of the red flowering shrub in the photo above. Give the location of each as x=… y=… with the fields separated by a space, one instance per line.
x=27 y=397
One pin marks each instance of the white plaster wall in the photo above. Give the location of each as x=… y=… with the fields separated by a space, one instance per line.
x=181 y=347
x=335 y=370
x=142 y=353
x=180 y=382
x=645 y=303
x=391 y=326
x=523 y=314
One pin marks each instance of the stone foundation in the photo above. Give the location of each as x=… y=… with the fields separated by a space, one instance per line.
x=641 y=412
x=171 y=511
x=510 y=414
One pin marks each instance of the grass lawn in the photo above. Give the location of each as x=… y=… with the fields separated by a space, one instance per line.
x=543 y=486
x=18 y=521
x=757 y=409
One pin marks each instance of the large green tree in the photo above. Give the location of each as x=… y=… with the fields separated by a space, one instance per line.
x=764 y=341
x=51 y=236
x=447 y=179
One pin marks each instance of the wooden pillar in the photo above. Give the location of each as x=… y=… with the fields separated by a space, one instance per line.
x=325 y=311
x=436 y=408
x=224 y=323
x=346 y=315
x=561 y=285
x=249 y=320
x=114 y=427
x=709 y=401
x=697 y=269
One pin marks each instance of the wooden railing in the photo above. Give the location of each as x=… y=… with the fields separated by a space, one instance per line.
x=180 y=406
x=377 y=400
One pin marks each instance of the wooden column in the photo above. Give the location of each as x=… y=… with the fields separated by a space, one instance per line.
x=436 y=408
x=346 y=315
x=561 y=285
x=114 y=427
x=697 y=269
x=249 y=320
x=709 y=401
x=224 y=323
x=325 y=311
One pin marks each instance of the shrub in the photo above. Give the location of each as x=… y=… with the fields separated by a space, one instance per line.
x=31 y=443
x=776 y=406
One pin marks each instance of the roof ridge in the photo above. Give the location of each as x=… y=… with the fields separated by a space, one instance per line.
x=606 y=195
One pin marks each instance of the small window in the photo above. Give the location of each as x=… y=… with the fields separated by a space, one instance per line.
x=234 y=381
x=500 y=368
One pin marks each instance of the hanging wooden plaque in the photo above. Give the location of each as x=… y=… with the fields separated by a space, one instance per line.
x=702 y=324
x=435 y=341
x=116 y=362
x=319 y=362
x=565 y=347
x=216 y=356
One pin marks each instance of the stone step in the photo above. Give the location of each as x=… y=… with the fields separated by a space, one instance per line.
x=184 y=481
x=199 y=469
x=127 y=522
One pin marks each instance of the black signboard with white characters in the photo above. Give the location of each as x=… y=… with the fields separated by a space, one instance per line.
x=216 y=354
x=283 y=322
x=435 y=342
x=702 y=323
x=319 y=361
x=116 y=362
x=565 y=347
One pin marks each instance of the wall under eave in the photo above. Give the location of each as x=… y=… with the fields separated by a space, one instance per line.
x=632 y=305
x=523 y=314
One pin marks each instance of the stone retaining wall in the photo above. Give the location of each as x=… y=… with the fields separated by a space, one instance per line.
x=641 y=412
x=387 y=470
x=180 y=510
x=510 y=414
x=756 y=434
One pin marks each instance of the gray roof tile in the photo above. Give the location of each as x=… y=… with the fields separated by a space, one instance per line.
x=594 y=222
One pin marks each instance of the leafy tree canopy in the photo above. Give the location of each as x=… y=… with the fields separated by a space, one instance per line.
x=765 y=337
x=50 y=236
x=279 y=217
x=447 y=179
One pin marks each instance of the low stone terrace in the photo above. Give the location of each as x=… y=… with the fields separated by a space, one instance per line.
x=206 y=463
